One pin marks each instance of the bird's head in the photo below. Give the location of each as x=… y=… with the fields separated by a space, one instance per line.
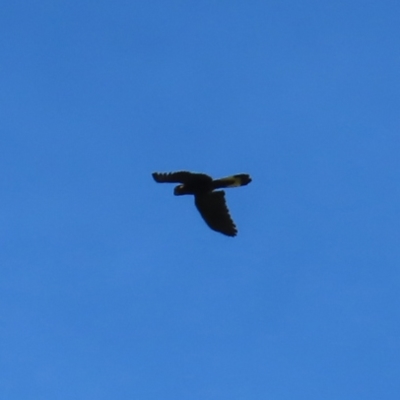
x=180 y=190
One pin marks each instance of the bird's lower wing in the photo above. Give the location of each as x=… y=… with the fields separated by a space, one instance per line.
x=213 y=209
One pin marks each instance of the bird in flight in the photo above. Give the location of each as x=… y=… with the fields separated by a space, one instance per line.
x=211 y=205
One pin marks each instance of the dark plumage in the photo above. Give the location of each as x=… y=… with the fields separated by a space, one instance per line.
x=211 y=205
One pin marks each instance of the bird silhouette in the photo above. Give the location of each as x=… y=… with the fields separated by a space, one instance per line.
x=211 y=204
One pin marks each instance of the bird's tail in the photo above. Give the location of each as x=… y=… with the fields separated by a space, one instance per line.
x=232 y=181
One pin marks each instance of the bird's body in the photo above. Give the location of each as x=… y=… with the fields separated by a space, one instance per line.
x=210 y=204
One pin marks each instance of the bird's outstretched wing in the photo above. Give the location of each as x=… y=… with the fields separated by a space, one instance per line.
x=176 y=177
x=212 y=207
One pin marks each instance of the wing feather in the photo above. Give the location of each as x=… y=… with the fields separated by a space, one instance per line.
x=178 y=177
x=172 y=177
x=212 y=207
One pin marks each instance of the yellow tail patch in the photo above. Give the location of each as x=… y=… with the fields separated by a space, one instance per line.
x=233 y=181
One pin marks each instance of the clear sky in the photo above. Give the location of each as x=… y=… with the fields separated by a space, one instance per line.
x=113 y=288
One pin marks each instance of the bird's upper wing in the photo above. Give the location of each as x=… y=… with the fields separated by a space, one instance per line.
x=212 y=207
x=175 y=177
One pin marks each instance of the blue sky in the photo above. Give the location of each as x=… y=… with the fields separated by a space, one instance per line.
x=113 y=288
